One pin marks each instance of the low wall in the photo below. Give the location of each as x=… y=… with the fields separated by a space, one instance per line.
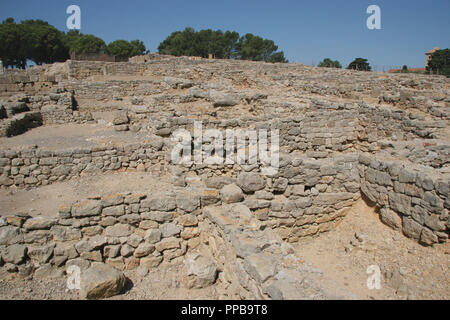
x=20 y=123
x=97 y=57
x=35 y=166
x=131 y=230
x=306 y=196
x=256 y=263
x=411 y=198
x=25 y=112
x=124 y=230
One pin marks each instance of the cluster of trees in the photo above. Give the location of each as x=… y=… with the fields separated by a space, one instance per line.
x=40 y=42
x=440 y=62
x=357 y=64
x=31 y=39
x=223 y=45
x=360 y=64
x=328 y=63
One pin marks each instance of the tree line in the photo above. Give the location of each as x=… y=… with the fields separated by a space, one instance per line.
x=222 y=45
x=40 y=42
x=357 y=64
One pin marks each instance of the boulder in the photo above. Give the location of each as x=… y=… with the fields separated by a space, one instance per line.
x=260 y=266
x=152 y=235
x=169 y=230
x=143 y=250
x=231 y=194
x=201 y=271
x=15 y=254
x=41 y=254
x=218 y=182
x=121 y=118
x=168 y=243
x=39 y=223
x=151 y=261
x=251 y=182
x=86 y=208
x=47 y=272
x=223 y=99
x=187 y=201
x=101 y=281
x=390 y=218
x=118 y=230
x=10 y=235
x=160 y=202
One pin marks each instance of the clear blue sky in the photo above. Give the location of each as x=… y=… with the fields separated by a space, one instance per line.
x=306 y=31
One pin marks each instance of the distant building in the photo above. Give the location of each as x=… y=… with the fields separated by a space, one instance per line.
x=429 y=53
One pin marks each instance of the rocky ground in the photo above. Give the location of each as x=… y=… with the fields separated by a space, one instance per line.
x=158 y=284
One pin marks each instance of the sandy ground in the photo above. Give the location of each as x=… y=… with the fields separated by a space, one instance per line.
x=71 y=135
x=408 y=269
x=46 y=200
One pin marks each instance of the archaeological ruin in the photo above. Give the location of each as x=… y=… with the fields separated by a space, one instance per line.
x=345 y=137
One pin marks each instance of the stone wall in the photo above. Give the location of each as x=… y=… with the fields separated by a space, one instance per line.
x=321 y=137
x=307 y=196
x=131 y=230
x=412 y=199
x=123 y=230
x=20 y=123
x=31 y=166
x=35 y=79
x=26 y=111
x=256 y=263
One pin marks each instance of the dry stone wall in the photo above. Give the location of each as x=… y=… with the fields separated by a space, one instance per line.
x=257 y=264
x=32 y=166
x=127 y=231
x=25 y=111
x=123 y=230
x=411 y=198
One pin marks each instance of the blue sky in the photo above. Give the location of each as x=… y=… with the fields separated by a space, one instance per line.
x=306 y=31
